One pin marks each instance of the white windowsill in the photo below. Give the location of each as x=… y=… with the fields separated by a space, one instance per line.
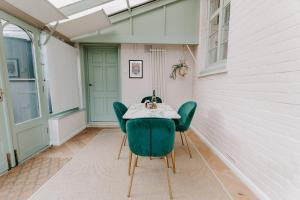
x=214 y=70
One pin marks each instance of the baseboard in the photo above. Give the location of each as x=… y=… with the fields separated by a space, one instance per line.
x=103 y=124
x=251 y=185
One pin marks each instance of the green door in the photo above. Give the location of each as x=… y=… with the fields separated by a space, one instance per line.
x=23 y=87
x=103 y=82
x=4 y=142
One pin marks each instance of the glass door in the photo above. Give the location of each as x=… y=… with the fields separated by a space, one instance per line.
x=23 y=80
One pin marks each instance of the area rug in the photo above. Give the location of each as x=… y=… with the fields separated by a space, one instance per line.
x=96 y=174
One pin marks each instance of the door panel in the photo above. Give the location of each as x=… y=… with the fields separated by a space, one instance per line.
x=31 y=140
x=104 y=83
x=22 y=75
x=4 y=148
x=4 y=139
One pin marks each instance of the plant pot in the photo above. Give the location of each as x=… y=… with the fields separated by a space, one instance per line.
x=182 y=71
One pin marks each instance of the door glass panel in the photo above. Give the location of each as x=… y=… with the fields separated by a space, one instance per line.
x=21 y=73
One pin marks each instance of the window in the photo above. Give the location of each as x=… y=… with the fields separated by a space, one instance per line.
x=219 y=15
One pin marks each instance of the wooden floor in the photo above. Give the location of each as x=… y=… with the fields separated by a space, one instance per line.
x=24 y=180
x=235 y=187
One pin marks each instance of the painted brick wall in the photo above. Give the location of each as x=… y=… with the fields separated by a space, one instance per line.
x=252 y=113
x=133 y=90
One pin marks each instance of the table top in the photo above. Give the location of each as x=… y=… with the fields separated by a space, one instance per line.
x=140 y=111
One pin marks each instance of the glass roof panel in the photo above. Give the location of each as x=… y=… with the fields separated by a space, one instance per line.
x=137 y=2
x=109 y=8
x=62 y=3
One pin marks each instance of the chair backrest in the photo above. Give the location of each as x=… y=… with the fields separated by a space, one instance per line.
x=120 y=109
x=186 y=112
x=158 y=99
x=151 y=136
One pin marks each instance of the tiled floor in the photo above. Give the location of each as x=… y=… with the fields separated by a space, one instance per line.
x=21 y=182
x=24 y=180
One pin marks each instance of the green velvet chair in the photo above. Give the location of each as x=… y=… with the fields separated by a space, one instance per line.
x=158 y=99
x=120 y=109
x=151 y=137
x=186 y=111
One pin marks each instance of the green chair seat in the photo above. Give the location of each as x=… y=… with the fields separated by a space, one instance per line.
x=149 y=98
x=151 y=136
x=120 y=109
x=186 y=112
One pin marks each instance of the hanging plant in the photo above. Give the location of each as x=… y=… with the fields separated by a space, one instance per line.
x=181 y=69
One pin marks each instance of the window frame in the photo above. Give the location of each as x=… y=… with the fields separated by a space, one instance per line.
x=220 y=65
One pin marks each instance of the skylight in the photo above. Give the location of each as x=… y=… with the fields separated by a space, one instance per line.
x=62 y=3
x=137 y=2
x=110 y=8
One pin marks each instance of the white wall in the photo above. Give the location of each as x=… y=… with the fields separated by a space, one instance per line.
x=133 y=90
x=252 y=113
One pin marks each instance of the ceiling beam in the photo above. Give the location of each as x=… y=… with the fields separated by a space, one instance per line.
x=81 y=6
x=13 y=11
x=140 y=10
x=131 y=22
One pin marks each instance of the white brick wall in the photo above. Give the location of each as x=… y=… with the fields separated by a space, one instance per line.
x=252 y=113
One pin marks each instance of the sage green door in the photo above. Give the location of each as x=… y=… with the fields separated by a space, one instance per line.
x=4 y=142
x=103 y=82
x=23 y=87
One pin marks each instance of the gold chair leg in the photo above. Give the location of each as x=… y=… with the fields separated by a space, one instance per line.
x=173 y=161
x=168 y=177
x=123 y=139
x=131 y=178
x=129 y=164
x=168 y=161
x=136 y=161
x=181 y=139
x=187 y=144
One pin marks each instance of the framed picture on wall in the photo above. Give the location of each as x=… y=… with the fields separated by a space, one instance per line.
x=13 y=68
x=135 y=69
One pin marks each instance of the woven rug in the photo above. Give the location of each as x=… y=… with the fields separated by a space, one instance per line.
x=96 y=174
x=21 y=182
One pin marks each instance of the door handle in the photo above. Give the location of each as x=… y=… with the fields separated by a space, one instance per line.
x=90 y=85
x=1 y=95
